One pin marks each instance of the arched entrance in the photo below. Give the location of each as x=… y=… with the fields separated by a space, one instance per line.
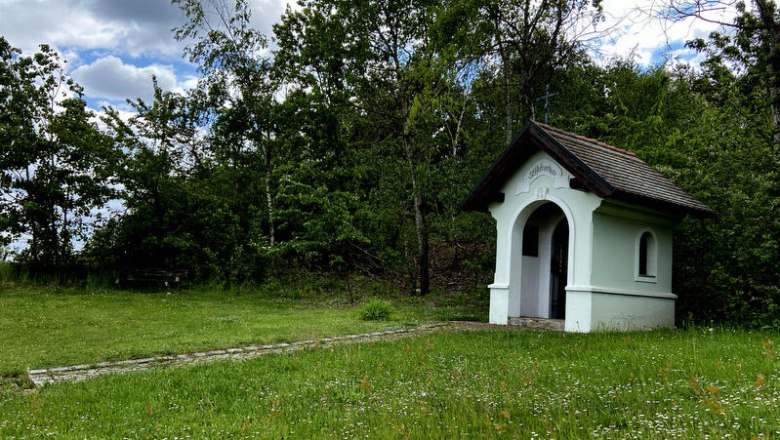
x=545 y=263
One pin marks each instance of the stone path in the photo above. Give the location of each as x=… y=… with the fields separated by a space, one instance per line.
x=87 y=371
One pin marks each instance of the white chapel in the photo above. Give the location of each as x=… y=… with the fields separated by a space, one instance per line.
x=584 y=233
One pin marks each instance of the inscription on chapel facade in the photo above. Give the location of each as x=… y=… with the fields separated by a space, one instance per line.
x=541 y=168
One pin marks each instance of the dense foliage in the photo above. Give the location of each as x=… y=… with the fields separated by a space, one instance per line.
x=351 y=146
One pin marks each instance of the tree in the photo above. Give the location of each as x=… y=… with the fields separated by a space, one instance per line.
x=740 y=79
x=390 y=82
x=751 y=43
x=521 y=43
x=57 y=165
x=238 y=94
x=157 y=142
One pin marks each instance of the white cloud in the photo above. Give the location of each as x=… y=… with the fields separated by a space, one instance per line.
x=122 y=32
x=265 y=13
x=110 y=78
x=125 y=27
x=134 y=27
x=641 y=32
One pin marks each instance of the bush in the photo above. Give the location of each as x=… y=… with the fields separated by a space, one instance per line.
x=375 y=310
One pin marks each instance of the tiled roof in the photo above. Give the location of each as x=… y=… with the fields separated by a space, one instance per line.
x=608 y=171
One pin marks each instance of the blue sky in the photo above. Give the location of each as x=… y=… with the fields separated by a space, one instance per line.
x=113 y=47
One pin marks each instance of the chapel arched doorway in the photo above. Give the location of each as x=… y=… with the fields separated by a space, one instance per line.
x=545 y=263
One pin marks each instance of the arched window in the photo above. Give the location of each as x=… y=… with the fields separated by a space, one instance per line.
x=647 y=257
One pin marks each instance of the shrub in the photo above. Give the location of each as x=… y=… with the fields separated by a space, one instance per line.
x=375 y=309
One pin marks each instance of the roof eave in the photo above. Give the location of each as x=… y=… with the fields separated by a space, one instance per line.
x=479 y=197
x=673 y=208
x=482 y=195
x=591 y=180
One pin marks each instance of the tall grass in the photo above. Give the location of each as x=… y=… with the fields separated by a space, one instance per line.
x=496 y=384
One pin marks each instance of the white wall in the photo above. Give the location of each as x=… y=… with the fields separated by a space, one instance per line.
x=523 y=194
x=603 y=290
x=595 y=310
x=616 y=231
x=530 y=288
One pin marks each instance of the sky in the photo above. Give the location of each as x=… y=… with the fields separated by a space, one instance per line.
x=113 y=47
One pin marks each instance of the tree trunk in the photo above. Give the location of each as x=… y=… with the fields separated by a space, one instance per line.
x=505 y=73
x=419 y=223
x=422 y=246
x=268 y=198
x=507 y=98
x=766 y=12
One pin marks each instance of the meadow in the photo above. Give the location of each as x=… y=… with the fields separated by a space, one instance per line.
x=693 y=383
x=47 y=326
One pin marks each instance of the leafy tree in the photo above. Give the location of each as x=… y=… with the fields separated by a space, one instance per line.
x=382 y=68
x=57 y=165
x=238 y=93
x=156 y=229
x=751 y=43
x=521 y=44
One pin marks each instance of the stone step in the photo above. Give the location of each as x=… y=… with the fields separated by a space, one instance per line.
x=537 y=323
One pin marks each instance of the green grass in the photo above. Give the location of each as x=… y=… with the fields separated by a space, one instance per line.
x=44 y=326
x=487 y=384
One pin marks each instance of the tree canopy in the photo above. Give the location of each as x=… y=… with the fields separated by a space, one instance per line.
x=349 y=147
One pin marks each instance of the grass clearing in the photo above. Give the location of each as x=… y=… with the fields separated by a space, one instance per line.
x=485 y=384
x=43 y=326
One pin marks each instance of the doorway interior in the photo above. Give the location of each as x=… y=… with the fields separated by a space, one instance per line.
x=545 y=263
